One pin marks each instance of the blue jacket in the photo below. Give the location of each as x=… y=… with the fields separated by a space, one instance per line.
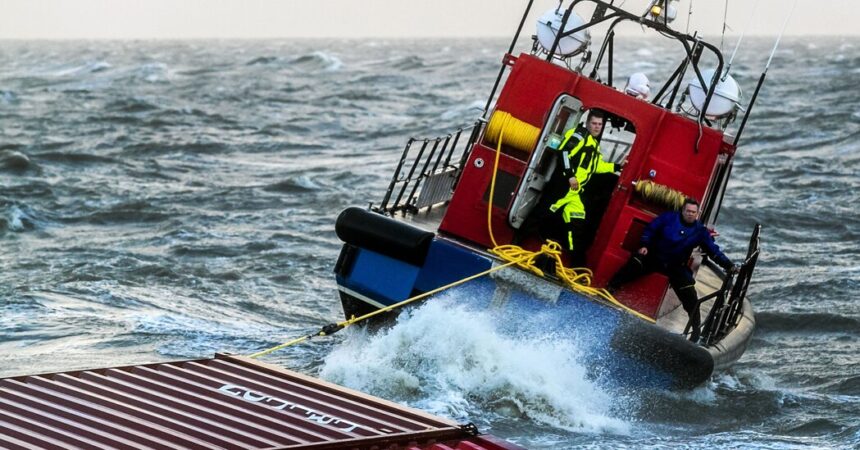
x=672 y=241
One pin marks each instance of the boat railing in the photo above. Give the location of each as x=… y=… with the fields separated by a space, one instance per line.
x=426 y=178
x=727 y=310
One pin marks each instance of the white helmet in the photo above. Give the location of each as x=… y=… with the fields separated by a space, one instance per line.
x=638 y=86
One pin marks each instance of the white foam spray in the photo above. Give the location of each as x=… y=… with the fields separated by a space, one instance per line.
x=450 y=361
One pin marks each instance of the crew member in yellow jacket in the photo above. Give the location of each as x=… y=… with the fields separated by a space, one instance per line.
x=580 y=160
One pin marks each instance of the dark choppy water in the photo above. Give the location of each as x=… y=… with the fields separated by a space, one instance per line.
x=169 y=200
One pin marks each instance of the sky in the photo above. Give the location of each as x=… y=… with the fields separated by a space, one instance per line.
x=193 y=19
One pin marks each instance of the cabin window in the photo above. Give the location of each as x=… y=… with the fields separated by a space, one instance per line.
x=617 y=139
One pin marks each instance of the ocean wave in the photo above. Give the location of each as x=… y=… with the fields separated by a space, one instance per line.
x=132 y=105
x=464 y=112
x=165 y=148
x=222 y=251
x=78 y=158
x=14 y=218
x=123 y=212
x=262 y=60
x=381 y=79
x=807 y=323
x=318 y=61
x=14 y=161
x=814 y=427
x=193 y=337
x=8 y=97
x=154 y=72
x=299 y=184
x=357 y=94
x=282 y=130
x=411 y=62
x=91 y=67
x=476 y=368
x=848 y=386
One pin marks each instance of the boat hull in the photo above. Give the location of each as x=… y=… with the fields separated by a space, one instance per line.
x=629 y=349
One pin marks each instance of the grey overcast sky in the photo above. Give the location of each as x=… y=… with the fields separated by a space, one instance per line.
x=189 y=19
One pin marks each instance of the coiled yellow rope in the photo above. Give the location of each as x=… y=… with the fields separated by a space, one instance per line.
x=577 y=279
x=659 y=194
x=520 y=135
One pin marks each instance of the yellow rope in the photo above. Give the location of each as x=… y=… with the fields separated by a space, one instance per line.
x=577 y=279
x=660 y=194
x=333 y=327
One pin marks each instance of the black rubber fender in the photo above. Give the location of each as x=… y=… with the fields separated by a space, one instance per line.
x=384 y=235
x=690 y=364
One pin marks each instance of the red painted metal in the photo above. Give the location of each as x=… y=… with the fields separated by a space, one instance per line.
x=669 y=149
x=466 y=216
x=226 y=402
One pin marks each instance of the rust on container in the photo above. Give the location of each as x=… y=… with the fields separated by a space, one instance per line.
x=225 y=402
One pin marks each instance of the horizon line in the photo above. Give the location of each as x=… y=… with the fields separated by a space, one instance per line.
x=426 y=37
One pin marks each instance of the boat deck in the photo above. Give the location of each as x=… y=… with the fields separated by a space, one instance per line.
x=426 y=219
x=673 y=317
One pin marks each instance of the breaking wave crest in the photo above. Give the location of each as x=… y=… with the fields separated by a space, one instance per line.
x=454 y=362
x=13 y=218
x=318 y=61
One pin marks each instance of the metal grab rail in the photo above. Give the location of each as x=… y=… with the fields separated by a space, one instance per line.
x=430 y=175
x=728 y=307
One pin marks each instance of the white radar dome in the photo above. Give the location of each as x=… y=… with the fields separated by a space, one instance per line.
x=726 y=96
x=548 y=27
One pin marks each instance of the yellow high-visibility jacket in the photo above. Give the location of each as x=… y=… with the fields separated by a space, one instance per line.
x=582 y=161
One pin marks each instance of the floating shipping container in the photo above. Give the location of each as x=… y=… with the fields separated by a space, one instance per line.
x=225 y=402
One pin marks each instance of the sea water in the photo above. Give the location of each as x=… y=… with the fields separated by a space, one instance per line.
x=169 y=200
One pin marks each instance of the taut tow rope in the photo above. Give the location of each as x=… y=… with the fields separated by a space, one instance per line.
x=335 y=327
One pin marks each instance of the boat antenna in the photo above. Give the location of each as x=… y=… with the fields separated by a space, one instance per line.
x=741 y=38
x=689 y=16
x=781 y=32
x=764 y=73
x=504 y=63
x=725 y=17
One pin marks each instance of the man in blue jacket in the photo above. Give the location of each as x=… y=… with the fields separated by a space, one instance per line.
x=666 y=246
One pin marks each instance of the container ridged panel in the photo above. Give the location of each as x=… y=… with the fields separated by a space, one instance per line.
x=226 y=402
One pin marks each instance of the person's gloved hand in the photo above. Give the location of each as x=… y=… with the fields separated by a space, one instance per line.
x=734 y=269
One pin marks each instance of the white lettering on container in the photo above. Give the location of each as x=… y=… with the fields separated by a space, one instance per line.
x=279 y=404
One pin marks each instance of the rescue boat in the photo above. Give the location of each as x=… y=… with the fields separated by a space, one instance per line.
x=456 y=214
